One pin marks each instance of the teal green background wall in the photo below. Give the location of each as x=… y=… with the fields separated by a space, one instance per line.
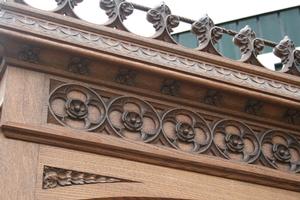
x=271 y=26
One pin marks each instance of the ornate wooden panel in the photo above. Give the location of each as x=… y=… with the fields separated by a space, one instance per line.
x=99 y=113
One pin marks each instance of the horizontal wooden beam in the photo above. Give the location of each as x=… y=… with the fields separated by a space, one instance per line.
x=112 y=146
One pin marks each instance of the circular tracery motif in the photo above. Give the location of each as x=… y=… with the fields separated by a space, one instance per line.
x=235 y=140
x=280 y=151
x=186 y=130
x=133 y=118
x=77 y=107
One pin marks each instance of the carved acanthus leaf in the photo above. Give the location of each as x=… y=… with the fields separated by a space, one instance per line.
x=66 y=7
x=117 y=11
x=207 y=33
x=290 y=57
x=58 y=177
x=249 y=45
x=163 y=22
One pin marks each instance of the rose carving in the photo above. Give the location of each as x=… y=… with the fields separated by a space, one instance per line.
x=133 y=118
x=77 y=107
x=234 y=143
x=235 y=140
x=281 y=153
x=280 y=150
x=132 y=121
x=186 y=130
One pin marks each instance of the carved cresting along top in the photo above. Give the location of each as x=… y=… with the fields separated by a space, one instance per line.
x=163 y=21
x=207 y=33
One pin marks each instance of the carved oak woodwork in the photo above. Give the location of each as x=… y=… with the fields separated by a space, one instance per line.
x=57 y=177
x=116 y=115
x=135 y=119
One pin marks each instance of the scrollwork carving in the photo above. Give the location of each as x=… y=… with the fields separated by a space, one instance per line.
x=235 y=140
x=117 y=11
x=290 y=57
x=54 y=177
x=133 y=118
x=280 y=151
x=77 y=107
x=186 y=130
x=249 y=45
x=163 y=22
x=207 y=33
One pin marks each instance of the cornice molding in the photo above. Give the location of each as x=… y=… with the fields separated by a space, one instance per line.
x=41 y=28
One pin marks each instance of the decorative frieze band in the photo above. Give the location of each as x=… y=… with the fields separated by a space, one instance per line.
x=82 y=108
x=171 y=60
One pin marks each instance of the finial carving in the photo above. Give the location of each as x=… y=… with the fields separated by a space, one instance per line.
x=66 y=7
x=163 y=22
x=72 y=3
x=117 y=11
x=290 y=57
x=249 y=45
x=207 y=33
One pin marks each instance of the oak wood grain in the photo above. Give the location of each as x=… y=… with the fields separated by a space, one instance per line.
x=19 y=159
x=137 y=151
x=153 y=181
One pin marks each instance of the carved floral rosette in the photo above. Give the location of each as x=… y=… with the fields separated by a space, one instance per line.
x=77 y=107
x=186 y=130
x=280 y=151
x=133 y=118
x=235 y=140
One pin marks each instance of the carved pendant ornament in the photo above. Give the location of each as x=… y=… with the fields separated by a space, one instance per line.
x=54 y=177
x=82 y=108
x=77 y=107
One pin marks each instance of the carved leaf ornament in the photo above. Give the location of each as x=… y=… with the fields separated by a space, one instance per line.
x=207 y=33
